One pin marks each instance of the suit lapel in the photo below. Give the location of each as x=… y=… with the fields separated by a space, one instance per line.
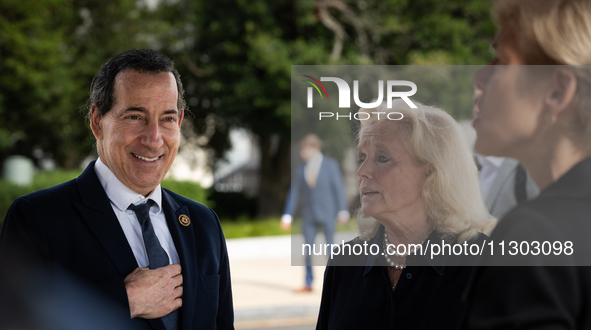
x=320 y=173
x=184 y=241
x=98 y=214
x=322 y=169
x=107 y=230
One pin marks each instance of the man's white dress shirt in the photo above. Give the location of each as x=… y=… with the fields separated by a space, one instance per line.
x=488 y=172
x=121 y=197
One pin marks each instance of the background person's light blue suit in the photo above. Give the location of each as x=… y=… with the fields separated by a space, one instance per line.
x=320 y=204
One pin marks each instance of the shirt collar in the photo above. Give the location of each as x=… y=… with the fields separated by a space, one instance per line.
x=316 y=159
x=490 y=160
x=318 y=156
x=378 y=239
x=119 y=194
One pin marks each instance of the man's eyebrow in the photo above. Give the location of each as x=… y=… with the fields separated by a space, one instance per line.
x=171 y=111
x=142 y=109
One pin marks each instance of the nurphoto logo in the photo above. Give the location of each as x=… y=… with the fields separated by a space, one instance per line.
x=345 y=92
x=345 y=95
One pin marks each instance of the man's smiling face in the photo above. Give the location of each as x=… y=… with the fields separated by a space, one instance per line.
x=139 y=137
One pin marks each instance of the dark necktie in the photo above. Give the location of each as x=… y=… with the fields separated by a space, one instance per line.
x=156 y=254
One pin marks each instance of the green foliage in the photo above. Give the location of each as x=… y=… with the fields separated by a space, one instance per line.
x=47 y=179
x=188 y=189
x=252 y=227
x=37 y=87
x=49 y=52
x=232 y=205
x=234 y=56
x=429 y=31
x=8 y=193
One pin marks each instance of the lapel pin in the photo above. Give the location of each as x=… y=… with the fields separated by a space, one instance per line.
x=184 y=220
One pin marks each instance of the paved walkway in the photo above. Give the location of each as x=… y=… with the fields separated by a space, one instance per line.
x=264 y=284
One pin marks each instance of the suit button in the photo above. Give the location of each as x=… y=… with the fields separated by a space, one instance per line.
x=409 y=276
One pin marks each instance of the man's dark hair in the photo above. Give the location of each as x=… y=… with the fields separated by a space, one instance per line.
x=140 y=60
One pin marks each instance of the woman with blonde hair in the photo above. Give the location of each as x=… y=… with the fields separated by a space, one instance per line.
x=540 y=115
x=418 y=183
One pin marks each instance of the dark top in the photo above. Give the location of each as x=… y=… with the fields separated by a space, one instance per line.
x=426 y=297
x=540 y=297
x=74 y=225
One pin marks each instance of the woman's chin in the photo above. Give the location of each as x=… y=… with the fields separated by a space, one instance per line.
x=370 y=212
x=366 y=211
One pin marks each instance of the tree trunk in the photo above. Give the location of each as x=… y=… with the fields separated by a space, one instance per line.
x=275 y=175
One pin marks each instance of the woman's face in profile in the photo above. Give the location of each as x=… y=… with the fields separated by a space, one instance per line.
x=510 y=105
x=389 y=179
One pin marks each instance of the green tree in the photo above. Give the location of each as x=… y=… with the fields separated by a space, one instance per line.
x=49 y=52
x=236 y=57
x=37 y=86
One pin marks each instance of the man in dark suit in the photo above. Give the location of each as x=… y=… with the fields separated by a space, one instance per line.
x=320 y=184
x=158 y=254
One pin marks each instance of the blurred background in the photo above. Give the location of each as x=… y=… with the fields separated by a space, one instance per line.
x=235 y=58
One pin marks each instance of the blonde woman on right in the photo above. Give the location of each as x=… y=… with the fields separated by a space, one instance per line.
x=540 y=116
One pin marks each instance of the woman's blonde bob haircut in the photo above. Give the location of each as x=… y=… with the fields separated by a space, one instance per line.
x=451 y=193
x=547 y=32
x=554 y=32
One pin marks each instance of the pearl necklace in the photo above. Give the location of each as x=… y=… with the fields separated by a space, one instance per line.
x=388 y=260
x=392 y=263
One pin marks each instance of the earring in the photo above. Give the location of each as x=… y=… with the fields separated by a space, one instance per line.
x=549 y=119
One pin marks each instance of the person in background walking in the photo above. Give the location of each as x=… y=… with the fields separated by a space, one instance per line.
x=319 y=184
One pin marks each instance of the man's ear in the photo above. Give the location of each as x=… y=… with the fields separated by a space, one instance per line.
x=561 y=93
x=95 y=122
x=181 y=116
